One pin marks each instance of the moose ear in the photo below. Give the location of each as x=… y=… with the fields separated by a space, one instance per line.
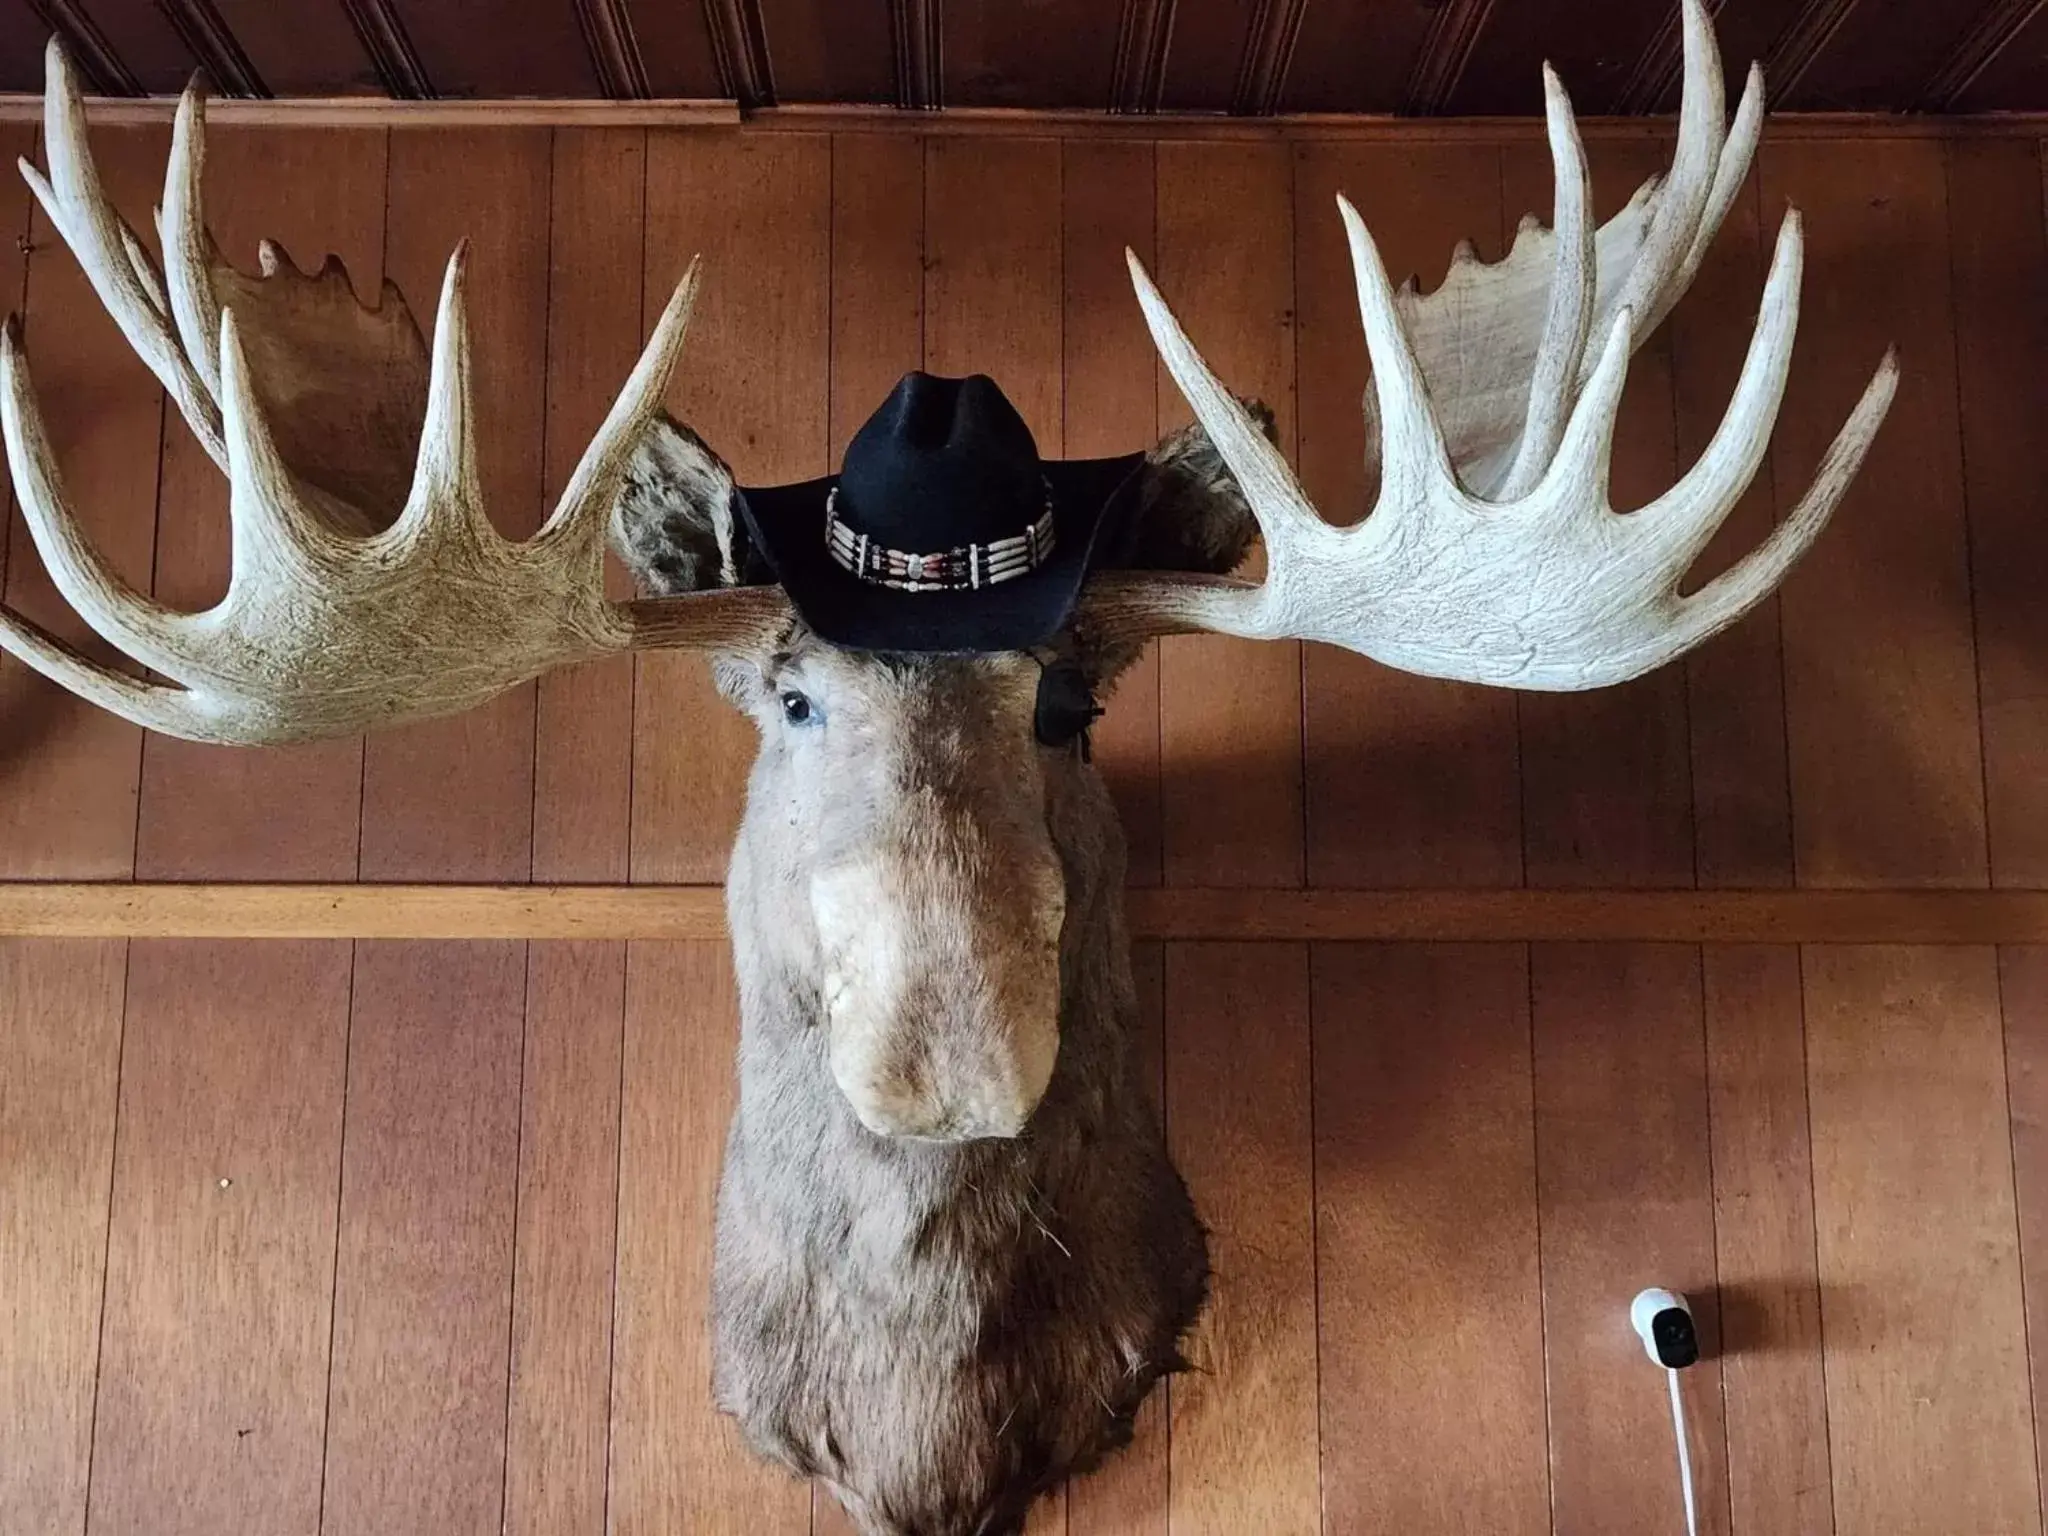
x=1191 y=515
x=675 y=524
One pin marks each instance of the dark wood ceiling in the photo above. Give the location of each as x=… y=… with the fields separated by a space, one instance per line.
x=1455 y=57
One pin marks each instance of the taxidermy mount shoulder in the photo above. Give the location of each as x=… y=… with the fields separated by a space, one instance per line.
x=953 y=1256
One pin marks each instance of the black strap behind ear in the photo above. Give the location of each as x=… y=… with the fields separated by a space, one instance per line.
x=1066 y=706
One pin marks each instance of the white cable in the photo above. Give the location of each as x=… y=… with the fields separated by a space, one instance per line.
x=1692 y=1519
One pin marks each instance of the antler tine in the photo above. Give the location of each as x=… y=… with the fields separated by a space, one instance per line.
x=446 y=494
x=1572 y=288
x=1738 y=149
x=275 y=534
x=181 y=230
x=115 y=263
x=1413 y=458
x=1577 y=480
x=151 y=705
x=581 y=517
x=151 y=633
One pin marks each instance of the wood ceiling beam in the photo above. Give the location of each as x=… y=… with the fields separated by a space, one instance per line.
x=739 y=47
x=1268 y=53
x=1655 y=76
x=1138 y=78
x=1803 y=41
x=614 y=49
x=205 y=32
x=390 y=50
x=1446 y=50
x=88 y=47
x=917 y=31
x=1986 y=39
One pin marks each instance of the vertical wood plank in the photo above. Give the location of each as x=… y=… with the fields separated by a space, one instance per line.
x=677 y=1464
x=559 y=1414
x=1410 y=781
x=1928 y=1409
x=1244 y=1423
x=1625 y=1199
x=1880 y=675
x=423 y=1276
x=1431 y=1301
x=2000 y=258
x=67 y=807
x=1230 y=710
x=213 y=1375
x=1771 y=1377
x=754 y=385
x=877 y=274
x=992 y=271
x=2023 y=997
x=1606 y=781
x=1111 y=407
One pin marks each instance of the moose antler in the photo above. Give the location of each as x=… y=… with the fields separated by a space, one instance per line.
x=1493 y=555
x=344 y=610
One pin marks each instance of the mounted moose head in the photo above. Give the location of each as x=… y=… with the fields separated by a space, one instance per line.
x=953 y=1257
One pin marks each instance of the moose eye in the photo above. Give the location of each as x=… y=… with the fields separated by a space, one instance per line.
x=796 y=709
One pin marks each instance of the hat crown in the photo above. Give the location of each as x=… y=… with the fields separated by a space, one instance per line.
x=944 y=462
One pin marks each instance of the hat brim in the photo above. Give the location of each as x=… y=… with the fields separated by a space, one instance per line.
x=1091 y=499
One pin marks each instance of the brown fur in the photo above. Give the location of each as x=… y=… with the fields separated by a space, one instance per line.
x=941 y=1329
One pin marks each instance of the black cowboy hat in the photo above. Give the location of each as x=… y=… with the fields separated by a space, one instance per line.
x=944 y=531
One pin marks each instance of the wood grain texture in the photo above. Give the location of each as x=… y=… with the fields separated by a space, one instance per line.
x=1880 y=675
x=1409 y=781
x=676 y=1463
x=877 y=276
x=423 y=1280
x=213 y=1377
x=1928 y=1412
x=1111 y=406
x=1425 y=1171
x=1230 y=710
x=2001 y=330
x=1243 y=1429
x=559 y=1409
x=67 y=804
x=2023 y=1000
x=471 y=48
x=831 y=50
x=754 y=385
x=1625 y=1202
x=1054 y=53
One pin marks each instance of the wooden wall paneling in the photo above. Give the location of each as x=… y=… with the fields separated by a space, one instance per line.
x=1606 y=777
x=1880 y=672
x=2023 y=1000
x=472 y=48
x=677 y=1464
x=1230 y=710
x=993 y=305
x=2001 y=328
x=831 y=50
x=1625 y=1202
x=1244 y=1421
x=417 y=1406
x=213 y=1375
x=1129 y=1495
x=1425 y=1179
x=1929 y=1416
x=992 y=272
x=559 y=1416
x=1111 y=407
x=1409 y=781
x=1771 y=1377
x=754 y=384
x=67 y=806
x=877 y=258
x=1052 y=53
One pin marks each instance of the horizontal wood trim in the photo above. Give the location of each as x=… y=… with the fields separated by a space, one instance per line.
x=45 y=909
x=383 y=112
x=993 y=122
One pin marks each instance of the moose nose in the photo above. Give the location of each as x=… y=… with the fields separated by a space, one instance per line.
x=941 y=1003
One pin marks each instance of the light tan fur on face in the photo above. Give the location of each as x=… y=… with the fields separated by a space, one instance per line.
x=902 y=831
